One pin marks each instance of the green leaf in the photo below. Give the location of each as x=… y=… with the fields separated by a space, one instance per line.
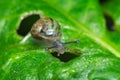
x=97 y=54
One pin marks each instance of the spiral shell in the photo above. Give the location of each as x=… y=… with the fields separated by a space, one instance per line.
x=46 y=28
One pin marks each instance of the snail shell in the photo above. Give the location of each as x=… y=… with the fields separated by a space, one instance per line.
x=46 y=28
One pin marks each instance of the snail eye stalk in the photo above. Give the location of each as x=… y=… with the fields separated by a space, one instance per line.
x=72 y=42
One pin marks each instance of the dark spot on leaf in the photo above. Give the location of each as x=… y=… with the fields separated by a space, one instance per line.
x=103 y=1
x=110 y=25
x=26 y=24
x=67 y=56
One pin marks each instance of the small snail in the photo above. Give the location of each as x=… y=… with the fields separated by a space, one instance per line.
x=49 y=30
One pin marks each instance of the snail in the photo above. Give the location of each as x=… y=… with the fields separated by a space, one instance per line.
x=48 y=29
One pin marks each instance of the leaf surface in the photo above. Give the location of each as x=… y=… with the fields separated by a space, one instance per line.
x=80 y=20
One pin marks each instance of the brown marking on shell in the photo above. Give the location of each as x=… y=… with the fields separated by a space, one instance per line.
x=39 y=29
